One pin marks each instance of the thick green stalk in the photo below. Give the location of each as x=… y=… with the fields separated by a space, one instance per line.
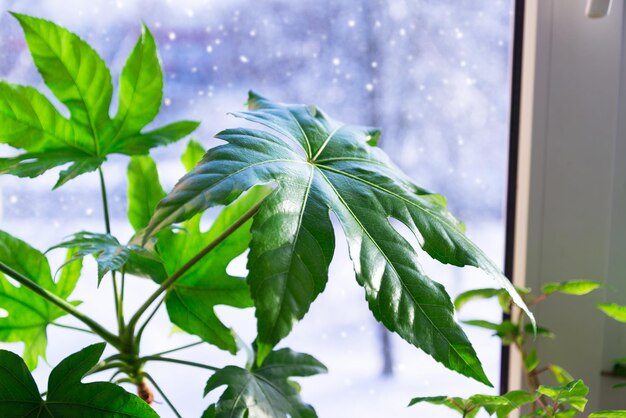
x=61 y=303
x=180 y=272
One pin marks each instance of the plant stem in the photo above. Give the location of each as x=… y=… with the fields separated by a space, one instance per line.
x=73 y=328
x=105 y=202
x=178 y=361
x=145 y=324
x=178 y=348
x=156 y=386
x=61 y=303
x=117 y=296
x=180 y=272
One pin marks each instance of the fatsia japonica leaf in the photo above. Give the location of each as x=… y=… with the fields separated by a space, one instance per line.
x=110 y=255
x=191 y=300
x=66 y=396
x=265 y=391
x=28 y=314
x=79 y=78
x=319 y=165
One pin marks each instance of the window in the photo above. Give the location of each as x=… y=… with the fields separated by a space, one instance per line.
x=433 y=74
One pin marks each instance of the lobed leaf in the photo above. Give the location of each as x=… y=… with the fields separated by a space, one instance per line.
x=79 y=78
x=328 y=166
x=66 y=396
x=266 y=391
x=191 y=300
x=28 y=314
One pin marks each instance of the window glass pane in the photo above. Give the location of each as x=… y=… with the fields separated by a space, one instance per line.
x=432 y=74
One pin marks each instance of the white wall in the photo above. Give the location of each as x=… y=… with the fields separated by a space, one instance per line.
x=571 y=212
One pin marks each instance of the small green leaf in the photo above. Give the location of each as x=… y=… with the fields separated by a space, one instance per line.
x=560 y=374
x=482 y=324
x=615 y=311
x=192 y=155
x=539 y=331
x=516 y=399
x=608 y=414
x=66 y=395
x=456 y=404
x=265 y=391
x=109 y=253
x=572 y=287
x=573 y=394
x=470 y=295
x=28 y=314
x=531 y=361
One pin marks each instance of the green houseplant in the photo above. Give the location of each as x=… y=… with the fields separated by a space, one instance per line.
x=277 y=186
x=566 y=399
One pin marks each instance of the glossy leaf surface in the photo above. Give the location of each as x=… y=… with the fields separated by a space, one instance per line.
x=326 y=166
x=28 y=314
x=265 y=391
x=79 y=78
x=66 y=396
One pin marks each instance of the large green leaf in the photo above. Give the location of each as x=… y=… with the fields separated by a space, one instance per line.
x=191 y=300
x=326 y=166
x=66 y=396
x=79 y=78
x=265 y=391
x=28 y=314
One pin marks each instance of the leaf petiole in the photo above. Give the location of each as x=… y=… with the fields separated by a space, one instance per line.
x=156 y=386
x=178 y=361
x=173 y=350
x=72 y=328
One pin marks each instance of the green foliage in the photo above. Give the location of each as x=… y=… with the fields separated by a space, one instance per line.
x=28 y=314
x=265 y=391
x=79 y=78
x=615 y=311
x=608 y=414
x=66 y=396
x=109 y=253
x=571 y=287
x=277 y=188
x=467 y=407
x=573 y=394
x=329 y=166
x=191 y=300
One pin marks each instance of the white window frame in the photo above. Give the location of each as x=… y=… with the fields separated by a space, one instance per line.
x=570 y=211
